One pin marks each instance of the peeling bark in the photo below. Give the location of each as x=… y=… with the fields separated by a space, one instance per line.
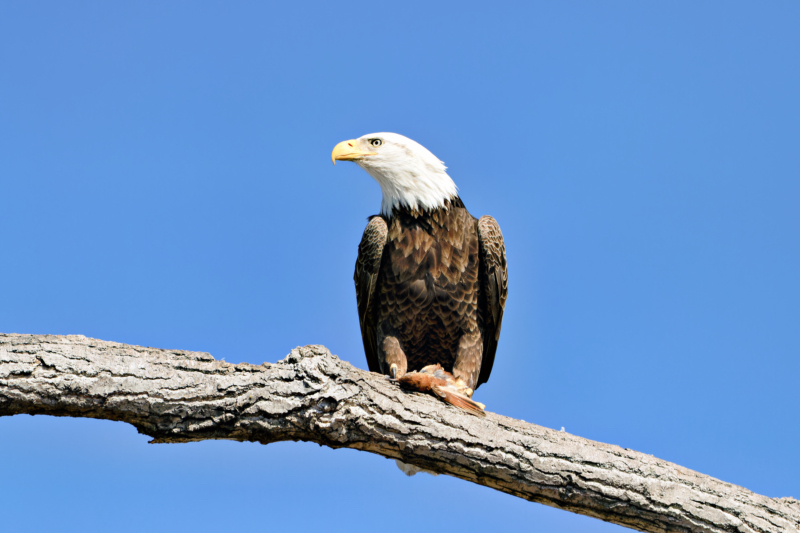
x=311 y=395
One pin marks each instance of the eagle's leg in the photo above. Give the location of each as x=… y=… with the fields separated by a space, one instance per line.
x=395 y=364
x=468 y=359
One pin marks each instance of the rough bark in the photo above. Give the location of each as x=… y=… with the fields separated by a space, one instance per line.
x=311 y=395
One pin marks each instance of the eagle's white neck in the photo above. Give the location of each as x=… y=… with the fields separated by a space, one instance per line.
x=409 y=175
x=418 y=188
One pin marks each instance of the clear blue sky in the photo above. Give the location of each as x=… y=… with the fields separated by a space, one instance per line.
x=166 y=180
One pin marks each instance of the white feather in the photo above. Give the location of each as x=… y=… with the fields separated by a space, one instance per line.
x=408 y=173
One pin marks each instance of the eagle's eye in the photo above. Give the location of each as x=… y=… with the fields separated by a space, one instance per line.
x=375 y=142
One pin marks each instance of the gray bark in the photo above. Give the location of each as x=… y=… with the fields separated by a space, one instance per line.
x=311 y=395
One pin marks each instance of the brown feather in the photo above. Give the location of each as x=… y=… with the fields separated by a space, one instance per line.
x=462 y=402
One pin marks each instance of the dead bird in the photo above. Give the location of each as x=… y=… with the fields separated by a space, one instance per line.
x=434 y=379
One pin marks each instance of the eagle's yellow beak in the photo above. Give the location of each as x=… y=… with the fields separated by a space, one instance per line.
x=348 y=151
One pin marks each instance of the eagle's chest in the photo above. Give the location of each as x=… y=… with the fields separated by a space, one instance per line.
x=430 y=267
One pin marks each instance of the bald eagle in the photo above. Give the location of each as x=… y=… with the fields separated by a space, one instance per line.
x=431 y=280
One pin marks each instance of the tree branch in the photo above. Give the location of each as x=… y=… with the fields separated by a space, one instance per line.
x=179 y=396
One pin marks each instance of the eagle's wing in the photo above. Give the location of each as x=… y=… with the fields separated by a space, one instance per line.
x=368 y=264
x=494 y=286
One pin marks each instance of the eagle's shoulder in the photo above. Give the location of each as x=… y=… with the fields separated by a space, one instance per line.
x=370 y=250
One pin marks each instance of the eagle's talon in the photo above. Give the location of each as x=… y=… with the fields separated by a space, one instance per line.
x=393 y=371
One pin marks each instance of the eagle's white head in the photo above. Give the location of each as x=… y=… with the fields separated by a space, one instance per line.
x=409 y=175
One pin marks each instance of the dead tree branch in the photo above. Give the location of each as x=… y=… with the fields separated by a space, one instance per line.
x=311 y=395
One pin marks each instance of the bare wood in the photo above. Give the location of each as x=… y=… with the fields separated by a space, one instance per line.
x=311 y=395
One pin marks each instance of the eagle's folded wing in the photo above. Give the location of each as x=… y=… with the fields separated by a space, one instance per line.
x=368 y=265
x=494 y=286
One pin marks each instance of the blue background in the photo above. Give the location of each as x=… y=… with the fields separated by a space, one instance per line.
x=165 y=180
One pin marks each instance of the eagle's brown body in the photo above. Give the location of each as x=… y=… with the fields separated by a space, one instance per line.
x=431 y=288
